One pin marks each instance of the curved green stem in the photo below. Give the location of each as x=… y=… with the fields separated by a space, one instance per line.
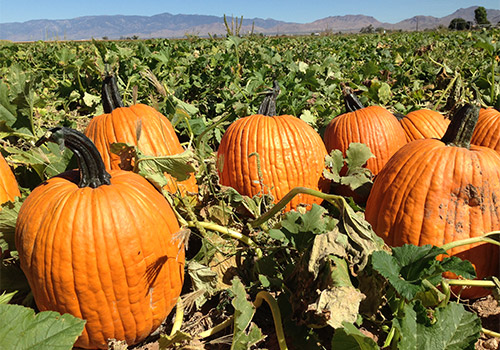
x=445 y=287
x=334 y=199
x=273 y=305
x=179 y=315
x=227 y=231
x=490 y=333
x=480 y=239
x=471 y=283
x=445 y=92
x=211 y=127
x=218 y=328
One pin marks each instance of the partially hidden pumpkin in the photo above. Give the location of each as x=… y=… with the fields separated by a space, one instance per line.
x=436 y=191
x=272 y=154
x=487 y=131
x=138 y=125
x=102 y=247
x=9 y=188
x=424 y=124
x=374 y=126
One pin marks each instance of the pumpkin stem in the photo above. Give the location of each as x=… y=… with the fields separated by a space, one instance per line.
x=459 y=132
x=111 y=98
x=268 y=106
x=92 y=170
x=351 y=102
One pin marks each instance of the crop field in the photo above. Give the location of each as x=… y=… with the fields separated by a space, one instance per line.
x=225 y=231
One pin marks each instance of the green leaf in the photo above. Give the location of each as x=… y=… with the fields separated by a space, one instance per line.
x=203 y=279
x=21 y=329
x=243 y=314
x=357 y=154
x=334 y=163
x=8 y=217
x=450 y=328
x=410 y=265
x=349 y=337
x=153 y=168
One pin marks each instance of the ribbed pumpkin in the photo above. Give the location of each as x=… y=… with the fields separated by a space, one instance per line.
x=487 y=131
x=9 y=189
x=438 y=191
x=374 y=126
x=119 y=124
x=424 y=124
x=101 y=247
x=291 y=154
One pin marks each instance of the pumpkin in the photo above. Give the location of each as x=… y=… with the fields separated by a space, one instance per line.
x=487 y=131
x=100 y=246
x=272 y=154
x=139 y=125
x=424 y=124
x=436 y=191
x=374 y=126
x=9 y=189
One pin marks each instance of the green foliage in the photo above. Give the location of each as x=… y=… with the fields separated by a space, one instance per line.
x=480 y=16
x=422 y=312
x=459 y=24
x=326 y=261
x=356 y=177
x=21 y=329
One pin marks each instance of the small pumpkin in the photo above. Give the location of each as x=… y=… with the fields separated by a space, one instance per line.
x=290 y=153
x=100 y=246
x=374 y=126
x=139 y=125
x=9 y=188
x=487 y=131
x=424 y=124
x=436 y=191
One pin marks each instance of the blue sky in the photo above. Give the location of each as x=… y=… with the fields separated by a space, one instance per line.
x=301 y=11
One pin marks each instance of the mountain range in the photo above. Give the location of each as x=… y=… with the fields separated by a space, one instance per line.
x=167 y=25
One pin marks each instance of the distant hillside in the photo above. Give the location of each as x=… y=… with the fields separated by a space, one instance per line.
x=166 y=25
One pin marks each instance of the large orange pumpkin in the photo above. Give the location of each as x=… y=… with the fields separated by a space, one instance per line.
x=101 y=246
x=424 y=124
x=290 y=151
x=487 y=131
x=438 y=191
x=374 y=126
x=9 y=189
x=120 y=125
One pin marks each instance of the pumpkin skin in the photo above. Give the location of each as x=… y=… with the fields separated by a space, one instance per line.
x=424 y=124
x=434 y=192
x=291 y=154
x=487 y=131
x=104 y=254
x=374 y=126
x=9 y=189
x=119 y=125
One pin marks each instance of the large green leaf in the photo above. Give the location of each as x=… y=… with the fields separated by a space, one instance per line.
x=450 y=328
x=22 y=329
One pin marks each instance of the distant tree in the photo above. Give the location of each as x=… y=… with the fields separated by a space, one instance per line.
x=459 y=24
x=368 y=29
x=481 y=16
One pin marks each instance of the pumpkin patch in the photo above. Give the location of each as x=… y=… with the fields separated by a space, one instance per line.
x=234 y=193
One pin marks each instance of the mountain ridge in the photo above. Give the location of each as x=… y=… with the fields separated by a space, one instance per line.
x=167 y=25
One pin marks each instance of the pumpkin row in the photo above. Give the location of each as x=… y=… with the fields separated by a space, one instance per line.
x=99 y=242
